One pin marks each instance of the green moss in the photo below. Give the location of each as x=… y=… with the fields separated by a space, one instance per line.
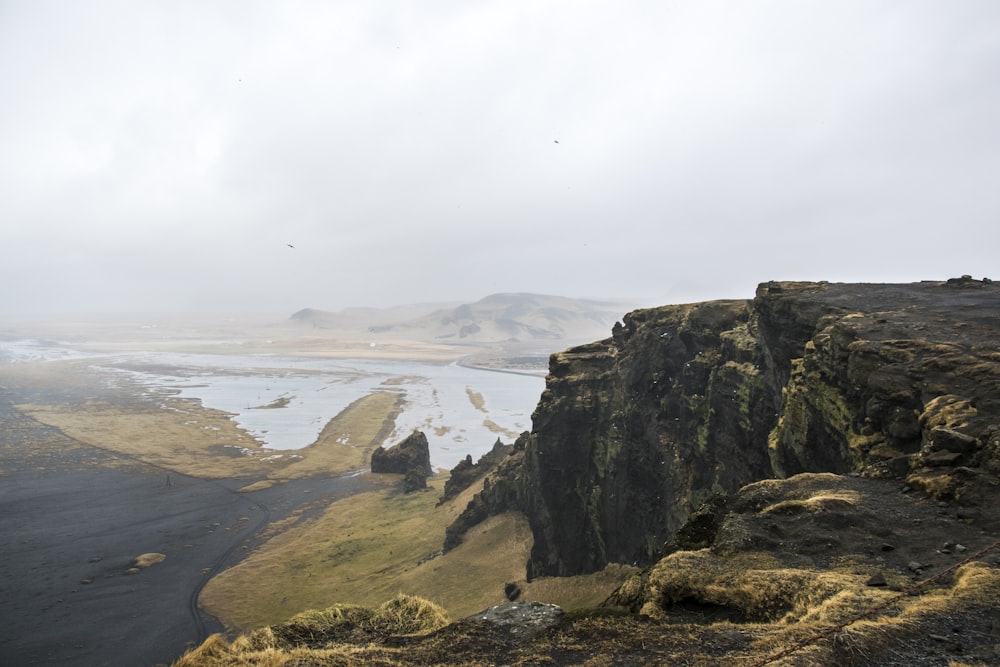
x=701 y=409
x=809 y=400
x=746 y=390
x=830 y=404
x=607 y=447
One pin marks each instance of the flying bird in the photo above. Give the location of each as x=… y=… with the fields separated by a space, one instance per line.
x=289 y=245
x=556 y=140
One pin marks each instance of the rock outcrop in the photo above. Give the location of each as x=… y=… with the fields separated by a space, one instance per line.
x=634 y=432
x=466 y=473
x=410 y=457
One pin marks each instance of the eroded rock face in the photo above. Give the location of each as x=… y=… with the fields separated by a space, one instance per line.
x=466 y=473
x=807 y=547
x=410 y=457
x=504 y=489
x=634 y=432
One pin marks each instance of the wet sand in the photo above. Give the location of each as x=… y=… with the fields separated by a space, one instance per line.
x=74 y=516
x=73 y=519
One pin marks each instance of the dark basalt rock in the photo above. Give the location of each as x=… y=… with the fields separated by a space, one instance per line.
x=523 y=620
x=634 y=432
x=410 y=457
x=466 y=473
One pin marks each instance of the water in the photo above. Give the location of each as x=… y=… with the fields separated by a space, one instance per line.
x=440 y=400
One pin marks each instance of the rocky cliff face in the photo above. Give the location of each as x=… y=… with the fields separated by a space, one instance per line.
x=632 y=433
x=409 y=457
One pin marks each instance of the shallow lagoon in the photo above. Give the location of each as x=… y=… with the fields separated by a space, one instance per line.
x=462 y=410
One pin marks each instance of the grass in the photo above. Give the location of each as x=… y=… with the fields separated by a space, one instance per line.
x=366 y=548
x=500 y=430
x=372 y=546
x=145 y=560
x=477 y=400
x=820 y=502
x=336 y=557
x=346 y=442
x=782 y=606
x=317 y=637
x=583 y=592
x=402 y=631
x=184 y=436
x=281 y=402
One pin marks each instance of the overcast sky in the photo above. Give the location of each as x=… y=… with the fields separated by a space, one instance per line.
x=161 y=156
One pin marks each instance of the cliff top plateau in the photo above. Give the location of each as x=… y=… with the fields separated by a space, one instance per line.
x=810 y=477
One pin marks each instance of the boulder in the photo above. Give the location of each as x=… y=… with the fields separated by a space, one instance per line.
x=942 y=438
x=522 y=620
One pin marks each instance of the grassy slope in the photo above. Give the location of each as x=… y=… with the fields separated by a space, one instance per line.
x=363 y=550
x=367 y=548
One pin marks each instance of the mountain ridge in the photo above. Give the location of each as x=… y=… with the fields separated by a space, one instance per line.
x=502 y=317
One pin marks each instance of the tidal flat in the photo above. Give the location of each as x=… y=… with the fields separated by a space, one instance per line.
x=284 y=402
x=203 y=450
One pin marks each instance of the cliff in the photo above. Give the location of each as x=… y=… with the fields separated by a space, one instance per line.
x=634 y=432
x=808 y=478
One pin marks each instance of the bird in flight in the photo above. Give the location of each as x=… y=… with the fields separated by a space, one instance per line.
x=289 y=245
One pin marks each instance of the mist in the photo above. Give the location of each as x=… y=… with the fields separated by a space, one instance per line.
x=265 y=157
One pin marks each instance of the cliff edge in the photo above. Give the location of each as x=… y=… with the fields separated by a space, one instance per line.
x=809 y=477
x=682 y=403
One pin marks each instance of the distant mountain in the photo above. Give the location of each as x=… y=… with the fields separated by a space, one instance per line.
x=506 y=317
x=361 y=320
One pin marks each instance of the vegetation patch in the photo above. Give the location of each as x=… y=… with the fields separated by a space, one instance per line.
x=499 y=430
x=281 y=402
x=143 y=561
x=365 y=548
x=582 y=593
x=319 y=633
x=183 y=436
x=477 y=400
x=346 y=443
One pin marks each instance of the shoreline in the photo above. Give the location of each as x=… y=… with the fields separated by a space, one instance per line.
x=80 y=505
x=78 y=516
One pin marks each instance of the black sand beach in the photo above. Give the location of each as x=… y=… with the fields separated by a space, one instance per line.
x=74 y=517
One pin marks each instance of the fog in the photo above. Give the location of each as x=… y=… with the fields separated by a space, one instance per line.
x=265 y=156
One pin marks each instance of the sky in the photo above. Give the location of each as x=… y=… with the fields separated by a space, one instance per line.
x=249 y=157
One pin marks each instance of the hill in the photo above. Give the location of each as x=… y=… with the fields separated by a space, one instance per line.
x=498 y=318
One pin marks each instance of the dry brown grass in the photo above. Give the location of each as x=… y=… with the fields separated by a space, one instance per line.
x=182 y=435
x=755 y=586
x=500 y=430
x=346 y=635
x=477 y=400
x=145 y=560
x=819 y=502
x=369 y=547
x=785 y=606
x=321 y=637
x=975 y=585
x=579 y=592
x=346 y=442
